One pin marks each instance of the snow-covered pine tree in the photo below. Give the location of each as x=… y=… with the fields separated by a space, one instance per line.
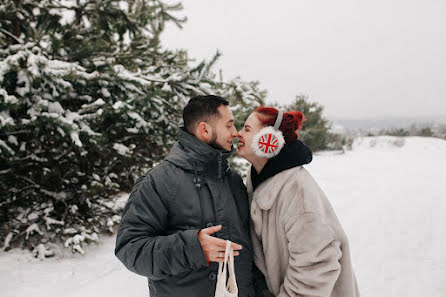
x=88 y=100
x=315 y=130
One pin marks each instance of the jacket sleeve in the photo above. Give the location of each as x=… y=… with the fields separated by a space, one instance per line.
x=141 y=243
x=313 y=266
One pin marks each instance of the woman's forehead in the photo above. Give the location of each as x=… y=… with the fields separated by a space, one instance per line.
x=252 y=120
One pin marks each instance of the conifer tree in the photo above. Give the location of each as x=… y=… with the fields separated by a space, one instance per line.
x=315 y=129
x=89 y=99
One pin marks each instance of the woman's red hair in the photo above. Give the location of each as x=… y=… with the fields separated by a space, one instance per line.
x=291 y=121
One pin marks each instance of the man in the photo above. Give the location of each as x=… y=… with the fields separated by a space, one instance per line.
x=180 y=213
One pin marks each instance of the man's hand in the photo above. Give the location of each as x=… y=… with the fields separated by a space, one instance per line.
x=214 y=248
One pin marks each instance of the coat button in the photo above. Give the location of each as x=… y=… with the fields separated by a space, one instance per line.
x=212 y=276
x=208 y=225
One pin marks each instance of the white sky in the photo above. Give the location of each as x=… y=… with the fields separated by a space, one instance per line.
x=357 y=58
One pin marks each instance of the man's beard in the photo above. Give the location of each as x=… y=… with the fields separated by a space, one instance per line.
x=213 y=142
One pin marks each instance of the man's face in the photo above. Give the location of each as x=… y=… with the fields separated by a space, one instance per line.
x=223 y=130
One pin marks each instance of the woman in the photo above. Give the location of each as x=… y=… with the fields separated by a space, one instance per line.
x=299 y=244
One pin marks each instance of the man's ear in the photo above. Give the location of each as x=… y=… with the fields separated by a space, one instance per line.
x=204 y=132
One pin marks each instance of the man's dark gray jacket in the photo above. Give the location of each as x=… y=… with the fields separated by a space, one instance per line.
x=193 y=188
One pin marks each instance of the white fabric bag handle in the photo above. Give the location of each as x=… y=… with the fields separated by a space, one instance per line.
x=230 y=289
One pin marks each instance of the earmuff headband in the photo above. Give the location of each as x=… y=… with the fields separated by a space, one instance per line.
x=279 y=119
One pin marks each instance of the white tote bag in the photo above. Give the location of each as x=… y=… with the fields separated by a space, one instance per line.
x=230 y=289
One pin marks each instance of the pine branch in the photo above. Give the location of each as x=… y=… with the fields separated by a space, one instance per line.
x=17 y=39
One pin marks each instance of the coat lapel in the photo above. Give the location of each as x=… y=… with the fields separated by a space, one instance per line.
x=267 y=192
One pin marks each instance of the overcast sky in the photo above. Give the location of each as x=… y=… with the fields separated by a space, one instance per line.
x=356 y=58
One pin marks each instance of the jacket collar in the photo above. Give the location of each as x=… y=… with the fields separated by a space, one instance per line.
x=190 y=153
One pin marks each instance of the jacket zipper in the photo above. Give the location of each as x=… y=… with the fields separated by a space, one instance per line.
x=197 y=183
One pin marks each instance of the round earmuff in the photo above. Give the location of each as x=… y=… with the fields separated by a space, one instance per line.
x=269 y=141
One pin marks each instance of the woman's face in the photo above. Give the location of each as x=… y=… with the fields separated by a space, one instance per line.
x=245 y=135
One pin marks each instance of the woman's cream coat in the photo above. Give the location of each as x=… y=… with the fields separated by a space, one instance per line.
x=299 y=244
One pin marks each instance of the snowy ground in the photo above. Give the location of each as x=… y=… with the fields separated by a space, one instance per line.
x=390 y=196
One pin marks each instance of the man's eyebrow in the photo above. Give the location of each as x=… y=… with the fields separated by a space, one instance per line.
x=231 y=121
x=247 y=126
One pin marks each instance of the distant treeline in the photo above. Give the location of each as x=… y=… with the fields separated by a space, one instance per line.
x=424 y=130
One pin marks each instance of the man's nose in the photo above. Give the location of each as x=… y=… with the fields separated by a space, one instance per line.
x=234 y=132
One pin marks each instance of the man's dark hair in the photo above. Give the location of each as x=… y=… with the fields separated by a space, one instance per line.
x=201 y=109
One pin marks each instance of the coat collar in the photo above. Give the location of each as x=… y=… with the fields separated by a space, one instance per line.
x=292 y=154
x=266 y=193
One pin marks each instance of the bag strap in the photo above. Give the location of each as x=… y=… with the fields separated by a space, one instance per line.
x=232 y=282
x=222 y=266
x=231 y=288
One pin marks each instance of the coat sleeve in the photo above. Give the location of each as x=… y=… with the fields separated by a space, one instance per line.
x=141 y=243
x=314 y=257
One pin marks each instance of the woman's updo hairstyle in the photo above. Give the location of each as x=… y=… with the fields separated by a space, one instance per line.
x=291 y=122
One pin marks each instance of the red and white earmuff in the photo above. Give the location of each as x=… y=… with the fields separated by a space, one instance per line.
x=269 y=141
